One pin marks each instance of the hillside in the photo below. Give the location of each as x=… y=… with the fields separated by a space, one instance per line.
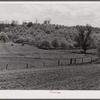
x=33 y=33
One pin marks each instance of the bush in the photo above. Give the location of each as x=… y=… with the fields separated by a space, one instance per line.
x=29 y=24
x=31 y=42
x=44 y=45
x=19 y=40
x=63 y=45
x=55 y=44
x=3 y=37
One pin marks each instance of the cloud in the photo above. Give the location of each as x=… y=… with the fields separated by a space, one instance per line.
x=59 y=13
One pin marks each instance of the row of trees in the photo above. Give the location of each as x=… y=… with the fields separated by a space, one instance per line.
x=82 y=38
x=53 y=45
x=44 y=34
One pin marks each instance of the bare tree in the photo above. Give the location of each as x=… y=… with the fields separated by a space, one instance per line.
x=83 y=39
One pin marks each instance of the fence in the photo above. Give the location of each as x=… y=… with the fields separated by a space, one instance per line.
x=69 y=61
x=30 y=62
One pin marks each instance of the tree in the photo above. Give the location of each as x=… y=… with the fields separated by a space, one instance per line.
x=3 y=37
x=29 y=24
x=14 y=22
x=44 y=45
x=47 y=21
x=63 y=45
x=55 y=43
x=20 y=39
x=83 y=39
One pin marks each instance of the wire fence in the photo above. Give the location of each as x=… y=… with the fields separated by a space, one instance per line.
x=31 y=62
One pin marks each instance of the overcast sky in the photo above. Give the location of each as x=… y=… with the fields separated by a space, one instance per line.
x=60 y=13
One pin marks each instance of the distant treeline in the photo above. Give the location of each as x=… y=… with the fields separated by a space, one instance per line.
x=46 y=35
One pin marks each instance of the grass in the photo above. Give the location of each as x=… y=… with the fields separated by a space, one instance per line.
x=84 y=77
x=28 y=50
x=52 y=76
x=17 y=57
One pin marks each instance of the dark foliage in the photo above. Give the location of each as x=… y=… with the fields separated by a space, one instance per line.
x=63 y=45
x=83 y=39
x=55 y=44
x=44 y=45
x=29 y=24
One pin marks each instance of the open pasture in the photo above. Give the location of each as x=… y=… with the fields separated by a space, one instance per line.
x=30 y=50
x=28 y=56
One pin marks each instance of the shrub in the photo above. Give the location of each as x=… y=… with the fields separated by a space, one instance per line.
x=29 y=24
x=3 y=37
x=63 y=45
x=31 y=42
x=19 y=40
x=55 y=44
x=44 y=45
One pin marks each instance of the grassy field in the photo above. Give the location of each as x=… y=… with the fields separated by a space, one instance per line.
x=17 y=57
x=50 y=76
x=84 y=77
x=28 y=50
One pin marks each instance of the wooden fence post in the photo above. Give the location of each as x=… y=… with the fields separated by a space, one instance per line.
x=74 y=60
x=71 y=61
x=58 y=62
x=44 y=64
x=82 y=60
x=6 y=66
x=27 y=65
x=91 y=59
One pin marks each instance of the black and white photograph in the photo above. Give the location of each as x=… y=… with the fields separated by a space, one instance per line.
x=50 y=46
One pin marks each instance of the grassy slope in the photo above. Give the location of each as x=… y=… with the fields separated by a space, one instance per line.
x=62 y=77
x=28 y=50
x=83 y=77
x=8 y=55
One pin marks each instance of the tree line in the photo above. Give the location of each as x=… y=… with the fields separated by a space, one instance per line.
x=48 y=36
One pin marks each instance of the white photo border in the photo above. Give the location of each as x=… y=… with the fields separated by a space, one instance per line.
x=46 y=94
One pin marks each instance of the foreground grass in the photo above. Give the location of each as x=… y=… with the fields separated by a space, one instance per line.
x=80 y=77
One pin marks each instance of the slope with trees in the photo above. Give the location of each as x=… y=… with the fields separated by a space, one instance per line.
x=36 y=33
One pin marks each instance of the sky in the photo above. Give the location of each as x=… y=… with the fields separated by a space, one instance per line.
x=64 y=13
